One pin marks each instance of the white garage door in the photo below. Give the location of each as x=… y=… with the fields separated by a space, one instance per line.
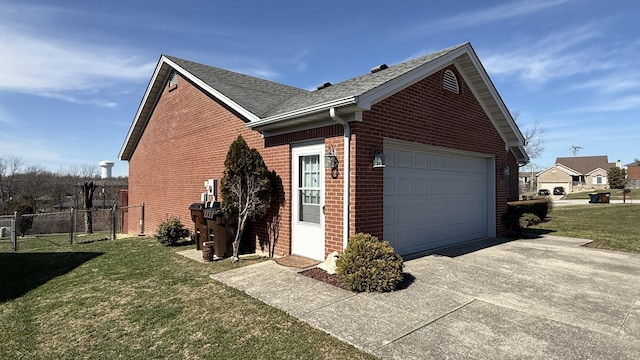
x=434 y=198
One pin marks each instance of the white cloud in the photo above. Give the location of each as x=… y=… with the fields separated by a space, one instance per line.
x=619 y=81
x=46 y=64
x=615 y=104
x=488 y=15
x=559 y=55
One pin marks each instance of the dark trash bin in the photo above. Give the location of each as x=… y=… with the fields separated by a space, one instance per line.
x=594 y=198
x=201 y=231
x=221 y=242
x=604 y=197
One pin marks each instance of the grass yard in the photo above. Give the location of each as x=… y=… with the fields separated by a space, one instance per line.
x=611 y=226
x=135 y=298
x=615 y=194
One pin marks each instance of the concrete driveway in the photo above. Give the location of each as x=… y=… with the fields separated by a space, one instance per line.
x=547 y=298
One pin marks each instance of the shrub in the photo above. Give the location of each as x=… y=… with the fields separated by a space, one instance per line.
x=527 y=220
x=171 y=230
x=516 y=209
x=369 y=264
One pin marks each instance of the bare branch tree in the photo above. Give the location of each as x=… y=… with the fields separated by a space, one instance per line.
x=10 y=167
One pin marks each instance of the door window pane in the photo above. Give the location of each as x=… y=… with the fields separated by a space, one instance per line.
x=309 y=188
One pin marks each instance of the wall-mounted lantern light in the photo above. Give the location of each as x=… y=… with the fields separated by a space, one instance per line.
x=330 y=159
x=505 y=169
x=378 y=158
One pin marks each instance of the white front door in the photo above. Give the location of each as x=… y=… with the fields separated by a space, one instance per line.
x=307 y=217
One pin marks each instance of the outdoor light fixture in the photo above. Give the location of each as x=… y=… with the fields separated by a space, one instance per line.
x=505 y=169
x=378 y=159
x=330 y=158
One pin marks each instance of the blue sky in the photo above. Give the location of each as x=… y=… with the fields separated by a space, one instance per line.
x=73 y=72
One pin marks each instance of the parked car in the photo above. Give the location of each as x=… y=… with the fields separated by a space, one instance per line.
x=558 y=190
x=543 y=192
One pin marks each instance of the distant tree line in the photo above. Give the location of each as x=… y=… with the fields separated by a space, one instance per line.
x=32 y=188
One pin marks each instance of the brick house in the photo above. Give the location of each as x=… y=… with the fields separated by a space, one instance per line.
x=577 y=173
x=633 y=175
x=450 y=149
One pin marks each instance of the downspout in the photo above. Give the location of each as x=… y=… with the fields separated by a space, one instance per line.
x=347 y=177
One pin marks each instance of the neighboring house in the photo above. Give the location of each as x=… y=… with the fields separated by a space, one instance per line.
x=633 y=175
x=577 y=173
x=450 y=146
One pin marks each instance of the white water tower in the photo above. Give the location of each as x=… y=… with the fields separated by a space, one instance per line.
x=105 y=169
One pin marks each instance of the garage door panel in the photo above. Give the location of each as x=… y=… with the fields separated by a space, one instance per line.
x=450 y=187
x=421 y=161
x=404 y=185
x=389 y=186
x=435 y=162
x=389 y=217
x=421 y=212
x=404 y=214
x=436 y=186
x=433 y=199
x=421 y=185
x=404 y=159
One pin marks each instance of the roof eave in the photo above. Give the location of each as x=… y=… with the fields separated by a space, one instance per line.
x=305 y=115
x=156 y=83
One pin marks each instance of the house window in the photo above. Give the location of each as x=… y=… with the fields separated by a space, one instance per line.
x=599 y=180
x=173 y=81
x=450 y=82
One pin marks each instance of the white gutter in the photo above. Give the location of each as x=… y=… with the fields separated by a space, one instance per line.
x=350 y=100
x=347 y=172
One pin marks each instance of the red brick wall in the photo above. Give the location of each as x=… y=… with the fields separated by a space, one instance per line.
x=334 y=181
x=427 y=114
x=185 y=143
x=633 y=172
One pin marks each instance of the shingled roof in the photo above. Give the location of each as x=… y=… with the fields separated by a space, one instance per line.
x=257 y=95
x=586 y=164
x=268 y=106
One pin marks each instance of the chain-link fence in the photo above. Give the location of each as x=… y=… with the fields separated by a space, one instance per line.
x=42 y=230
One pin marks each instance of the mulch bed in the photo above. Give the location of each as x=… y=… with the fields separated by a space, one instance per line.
x=321 y=275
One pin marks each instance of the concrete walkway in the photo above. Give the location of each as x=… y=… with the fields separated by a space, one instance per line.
x=546 y=298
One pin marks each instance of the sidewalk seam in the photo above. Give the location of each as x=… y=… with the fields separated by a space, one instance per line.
x=425 y=325
x=626 y=317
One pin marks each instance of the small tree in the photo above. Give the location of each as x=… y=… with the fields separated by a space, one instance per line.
x=24 y=220
x=617 y=178
x=245 y=187
x=88 y=188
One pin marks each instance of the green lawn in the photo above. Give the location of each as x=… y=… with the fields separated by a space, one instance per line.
x=615 y=194
x=611 y=226
x=134 y=298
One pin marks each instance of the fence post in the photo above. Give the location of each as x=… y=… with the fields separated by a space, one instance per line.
x=141 y=220
x=14 y=231
x=71 y=225
x=113 y=221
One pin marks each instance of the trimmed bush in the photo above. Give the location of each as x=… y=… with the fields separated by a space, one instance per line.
x=369 y=264
x=516 y=209
x=171 y=230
